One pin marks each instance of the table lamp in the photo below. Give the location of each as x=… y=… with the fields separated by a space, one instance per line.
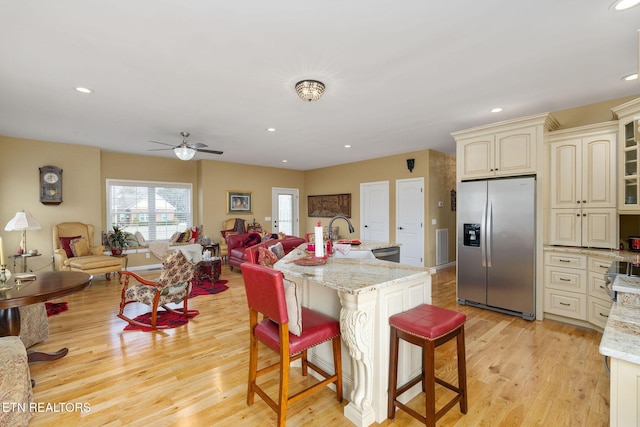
x=23 y=221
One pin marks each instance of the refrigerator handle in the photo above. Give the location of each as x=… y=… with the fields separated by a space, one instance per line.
x=483 y=234
x=489 y=233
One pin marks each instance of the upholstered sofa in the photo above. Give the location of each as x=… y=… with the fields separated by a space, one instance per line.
x=90 y=259
x=238 y=248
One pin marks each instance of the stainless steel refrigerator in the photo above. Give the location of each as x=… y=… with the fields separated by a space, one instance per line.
x=496 y=245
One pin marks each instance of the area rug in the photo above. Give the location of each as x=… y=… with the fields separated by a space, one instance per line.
x=165 y=319
x=206 y=288
x=54 y=308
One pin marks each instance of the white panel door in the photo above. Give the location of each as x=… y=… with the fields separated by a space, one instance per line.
x=374 y=211
x=410 y=220
x=284 y=211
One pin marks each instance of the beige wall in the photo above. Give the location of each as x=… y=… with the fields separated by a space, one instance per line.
x=442 y=179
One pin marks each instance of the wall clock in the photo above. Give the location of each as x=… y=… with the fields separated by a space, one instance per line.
x=50 y=185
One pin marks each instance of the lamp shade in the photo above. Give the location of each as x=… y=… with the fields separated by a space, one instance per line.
x=23 y=221
x=184 y=152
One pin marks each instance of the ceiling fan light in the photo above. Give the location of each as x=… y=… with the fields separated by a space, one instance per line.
x=309 y=90
x=184 y=152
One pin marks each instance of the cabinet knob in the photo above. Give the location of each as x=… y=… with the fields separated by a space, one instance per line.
x=577 y=214
x=584 y=201
x=578 y=201
x=584 y=214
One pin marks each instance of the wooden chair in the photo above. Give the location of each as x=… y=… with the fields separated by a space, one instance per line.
x=173 y=286
x=266 y=295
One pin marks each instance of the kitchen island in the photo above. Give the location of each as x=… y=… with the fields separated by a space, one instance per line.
x=621 y=343
x=363 y=292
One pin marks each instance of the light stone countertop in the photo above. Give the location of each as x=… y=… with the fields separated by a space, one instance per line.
x=351 y=275
x=621 y=337
x=602 y=253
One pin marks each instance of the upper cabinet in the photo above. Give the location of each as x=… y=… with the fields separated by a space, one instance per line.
x=628 y=157
x=507 y=148
x=582 y=172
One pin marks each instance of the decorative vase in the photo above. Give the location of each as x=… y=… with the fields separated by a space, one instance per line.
x=116 y=251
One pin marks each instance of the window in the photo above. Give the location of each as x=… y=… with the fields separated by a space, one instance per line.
x=155 y=209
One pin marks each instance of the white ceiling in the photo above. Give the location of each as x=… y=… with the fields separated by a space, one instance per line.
x=400 y=75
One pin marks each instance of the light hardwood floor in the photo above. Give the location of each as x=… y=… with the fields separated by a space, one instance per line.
x=519 y=373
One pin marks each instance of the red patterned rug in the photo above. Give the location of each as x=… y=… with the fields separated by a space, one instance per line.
x=206 y=288
x=165 y=318
x=56 y=308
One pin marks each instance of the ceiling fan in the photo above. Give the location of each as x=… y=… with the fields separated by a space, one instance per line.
x=185 y=151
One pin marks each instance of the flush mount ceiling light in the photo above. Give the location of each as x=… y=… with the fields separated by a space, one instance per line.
x=619 y=5
x=630 y=77
x=309 y=90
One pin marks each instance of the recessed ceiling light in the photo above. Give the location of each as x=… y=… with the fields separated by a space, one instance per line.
x=284 y=161
x=619 y=5
x=629 y=77
x=496 y=110
x=347 y=146
x=84 y=90
x=271 y=129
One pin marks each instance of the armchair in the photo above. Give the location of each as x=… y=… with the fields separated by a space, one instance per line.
x=73 y=250
x=229 y=228
x=173 y=286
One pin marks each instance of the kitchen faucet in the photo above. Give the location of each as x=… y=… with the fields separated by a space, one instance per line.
x=351 y=229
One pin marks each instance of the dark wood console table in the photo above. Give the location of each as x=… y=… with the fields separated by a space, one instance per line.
x=48 y=285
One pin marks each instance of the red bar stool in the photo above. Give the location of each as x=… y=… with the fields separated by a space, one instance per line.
x=428 y=327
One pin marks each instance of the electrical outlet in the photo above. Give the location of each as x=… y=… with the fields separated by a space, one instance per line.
x=267 y=218
x=433 y=222
x=148 y=255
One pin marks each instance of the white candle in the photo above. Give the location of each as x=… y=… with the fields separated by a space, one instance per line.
x=2 y=261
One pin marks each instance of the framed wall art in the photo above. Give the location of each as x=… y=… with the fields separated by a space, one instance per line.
x=239 y=202
x=329 y=205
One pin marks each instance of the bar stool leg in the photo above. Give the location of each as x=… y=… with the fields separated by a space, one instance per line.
x=393 y=373
x=462 y=371
x=428 y=357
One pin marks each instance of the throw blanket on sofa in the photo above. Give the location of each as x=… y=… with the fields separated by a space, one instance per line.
x=238 y=227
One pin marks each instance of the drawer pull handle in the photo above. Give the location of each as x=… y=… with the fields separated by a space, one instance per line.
x=604 y=315
x=602 y=287
x=565 y=304
x=604 y=266
x=565 y=280
x=564 y=260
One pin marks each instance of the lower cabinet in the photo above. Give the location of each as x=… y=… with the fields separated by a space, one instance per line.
x=574 y=287
x=625 y=399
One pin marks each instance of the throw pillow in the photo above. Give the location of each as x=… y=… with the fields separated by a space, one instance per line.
x=140 y=238
x=80 y=247
x=227 y=232
x=65 y=244
x=277 y=249
x=252 y=239
x=266 y=257
x=193 y=234
x=294 y=306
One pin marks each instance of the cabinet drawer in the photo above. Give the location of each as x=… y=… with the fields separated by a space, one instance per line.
x=598 y=312
x=566 y=304
x=596 y=286
x=567 y=279
x=565 y=260
x=599 y=265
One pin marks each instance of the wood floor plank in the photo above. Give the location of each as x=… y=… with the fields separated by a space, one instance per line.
x=519 y=373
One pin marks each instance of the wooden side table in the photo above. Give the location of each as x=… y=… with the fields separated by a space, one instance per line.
x=125 y=262
x=213 y=247
x=209 y=269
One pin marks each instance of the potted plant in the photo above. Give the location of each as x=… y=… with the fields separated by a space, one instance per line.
x=117 y=240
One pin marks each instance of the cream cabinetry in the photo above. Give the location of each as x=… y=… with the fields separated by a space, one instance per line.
x=625 y=397
x=598 y=299
x=574 y=287
x=507 y=148
x=629 y=156
x=582 y=179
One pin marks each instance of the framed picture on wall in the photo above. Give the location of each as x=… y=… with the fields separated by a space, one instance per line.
x=329 y=205
x=239 y=202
